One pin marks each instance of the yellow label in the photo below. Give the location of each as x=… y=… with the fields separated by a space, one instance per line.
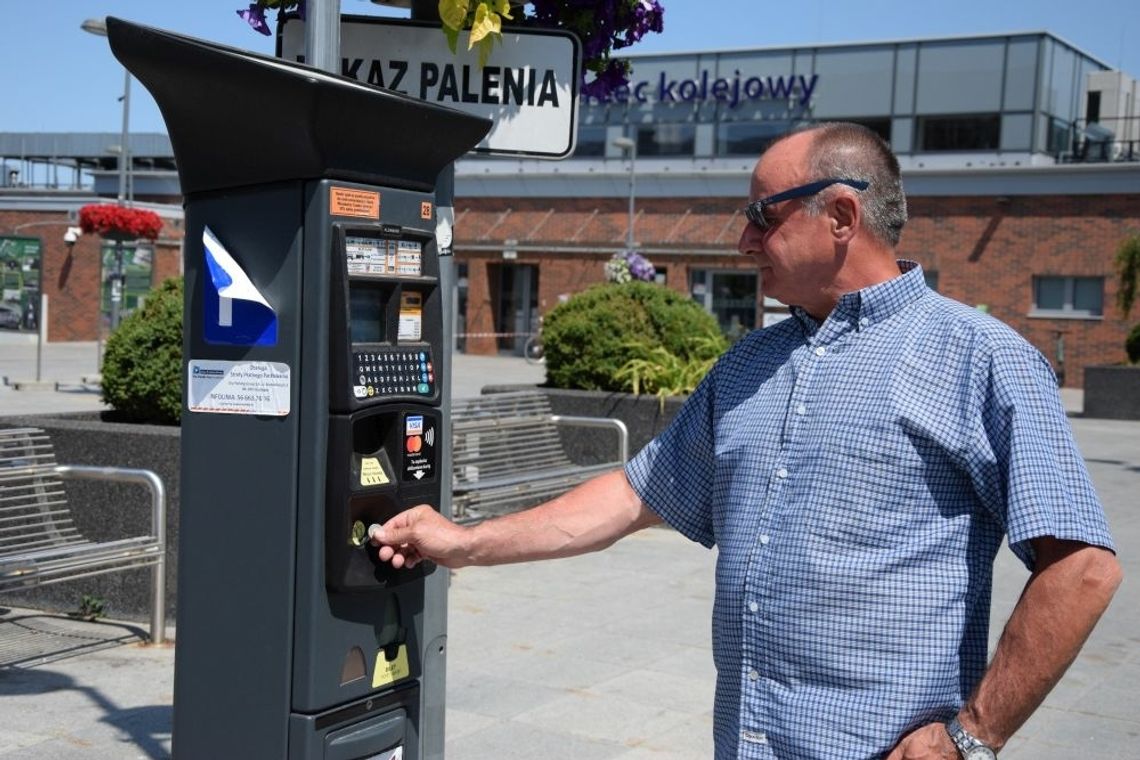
x=372 y=473
x=411 y=302
x=389 y=671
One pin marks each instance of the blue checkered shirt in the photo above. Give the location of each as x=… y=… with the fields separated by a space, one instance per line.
x=857 y=477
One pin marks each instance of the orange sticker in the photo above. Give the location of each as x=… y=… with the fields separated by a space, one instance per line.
x=425 y=209
x=344 y=201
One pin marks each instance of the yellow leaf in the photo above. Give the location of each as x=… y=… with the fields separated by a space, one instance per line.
x=486 y=45
x=504 y=9
x=486 y=22
x=453 y=13
x=452 y=36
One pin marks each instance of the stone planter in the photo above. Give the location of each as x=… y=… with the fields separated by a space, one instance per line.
x=1112 y=392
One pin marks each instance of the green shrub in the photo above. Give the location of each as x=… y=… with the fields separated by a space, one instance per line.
x=1132 y=344
x=142 y=364
x=591 y=337
x=658 y=371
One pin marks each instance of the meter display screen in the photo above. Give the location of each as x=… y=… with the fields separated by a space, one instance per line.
x=366 y=314
x=373 y=255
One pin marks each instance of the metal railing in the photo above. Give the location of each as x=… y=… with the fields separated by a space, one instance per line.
x=1107 y=140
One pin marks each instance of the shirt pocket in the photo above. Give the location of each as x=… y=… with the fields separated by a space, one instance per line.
x=871 y=490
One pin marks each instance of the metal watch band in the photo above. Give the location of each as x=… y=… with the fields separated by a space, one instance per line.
x=964 y=740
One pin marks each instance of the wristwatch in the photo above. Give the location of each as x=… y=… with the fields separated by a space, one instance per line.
x=969 y=746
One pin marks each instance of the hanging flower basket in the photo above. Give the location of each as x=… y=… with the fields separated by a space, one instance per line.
x=119 y=223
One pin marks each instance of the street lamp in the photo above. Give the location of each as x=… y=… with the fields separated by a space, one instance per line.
x=626 y=144
x=99 y=27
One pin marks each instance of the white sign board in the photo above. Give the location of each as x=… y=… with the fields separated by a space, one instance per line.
x=528 y=87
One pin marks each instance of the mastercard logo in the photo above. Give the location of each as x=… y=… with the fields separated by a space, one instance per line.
x=414 y=444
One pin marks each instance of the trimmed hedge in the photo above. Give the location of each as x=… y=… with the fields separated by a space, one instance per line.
x=142 y=364
x=590 y=337
x=1132 y=344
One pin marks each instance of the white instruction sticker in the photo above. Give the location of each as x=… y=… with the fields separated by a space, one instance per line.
x=220 y=387
x=411 y=316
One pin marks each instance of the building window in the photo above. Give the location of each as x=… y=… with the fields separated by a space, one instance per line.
x=744 y=138
x=1068 y=297
x=728 y=296
x=931 y=278
x=946 y=133
x=881 y=127
x=591 y=142
x=1061 y=137
x=666 y=140
x=462 y=279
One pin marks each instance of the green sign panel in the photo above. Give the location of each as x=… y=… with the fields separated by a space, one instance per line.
x=20 y=275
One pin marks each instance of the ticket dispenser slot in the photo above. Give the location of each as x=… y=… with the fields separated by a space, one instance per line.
x=379 y=728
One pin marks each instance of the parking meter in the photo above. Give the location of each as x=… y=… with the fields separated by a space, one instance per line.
x=315 y=402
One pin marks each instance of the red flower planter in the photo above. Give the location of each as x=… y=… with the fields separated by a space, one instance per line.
x=119 y=222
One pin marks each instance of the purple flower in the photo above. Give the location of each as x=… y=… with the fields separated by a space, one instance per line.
x=255 y=17
x=613 y=76
x=639 y=266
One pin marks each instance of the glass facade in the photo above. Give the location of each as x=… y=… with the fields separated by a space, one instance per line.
x=1014 y=94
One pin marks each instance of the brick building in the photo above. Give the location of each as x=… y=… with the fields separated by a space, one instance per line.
x=1020 y=156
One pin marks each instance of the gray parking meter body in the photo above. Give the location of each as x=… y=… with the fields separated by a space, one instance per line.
x=314 y=404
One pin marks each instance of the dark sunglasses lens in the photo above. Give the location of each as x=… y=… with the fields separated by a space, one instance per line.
x=755 y=214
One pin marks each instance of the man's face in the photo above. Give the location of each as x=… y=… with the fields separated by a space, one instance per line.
x=795 y=255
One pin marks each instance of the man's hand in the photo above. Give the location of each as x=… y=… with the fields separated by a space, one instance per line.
x=585 y=519
x=931 y=742
x=417 y=534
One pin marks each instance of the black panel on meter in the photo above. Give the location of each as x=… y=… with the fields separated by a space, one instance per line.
x=385 y=347
x=386 y=322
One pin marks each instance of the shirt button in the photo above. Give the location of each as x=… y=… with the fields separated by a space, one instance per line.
x=753 y=675
x=820 y=350
x=764 y=539
x=782 y=473
x=753 y=607
x=864 y=322
x=801 y=409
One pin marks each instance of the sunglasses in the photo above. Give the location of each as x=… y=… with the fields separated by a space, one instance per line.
x=755 y=210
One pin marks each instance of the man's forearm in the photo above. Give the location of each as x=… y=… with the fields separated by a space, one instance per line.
x=590 y=517
x=1058 y=608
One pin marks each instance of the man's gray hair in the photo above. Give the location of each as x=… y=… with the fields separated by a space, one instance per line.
x=852 y=151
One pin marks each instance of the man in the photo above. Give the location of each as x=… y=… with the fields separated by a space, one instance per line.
x=857 y=467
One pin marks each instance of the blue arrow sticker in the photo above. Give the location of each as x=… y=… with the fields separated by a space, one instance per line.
x=235 y=312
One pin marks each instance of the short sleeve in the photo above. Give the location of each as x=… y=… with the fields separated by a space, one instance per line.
x=673 y=474
x=1033 y=479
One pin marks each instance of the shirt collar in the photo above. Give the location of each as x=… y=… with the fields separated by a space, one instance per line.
x=874 y=303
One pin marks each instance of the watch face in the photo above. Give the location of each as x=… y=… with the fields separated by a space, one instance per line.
x=981 y=753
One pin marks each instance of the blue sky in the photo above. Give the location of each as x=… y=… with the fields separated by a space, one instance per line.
x=58 y=78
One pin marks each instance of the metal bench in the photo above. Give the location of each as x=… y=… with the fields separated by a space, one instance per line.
x=39 y=542
x=507 y=453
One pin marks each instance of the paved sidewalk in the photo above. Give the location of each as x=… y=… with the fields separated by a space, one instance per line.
x=604 y=656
